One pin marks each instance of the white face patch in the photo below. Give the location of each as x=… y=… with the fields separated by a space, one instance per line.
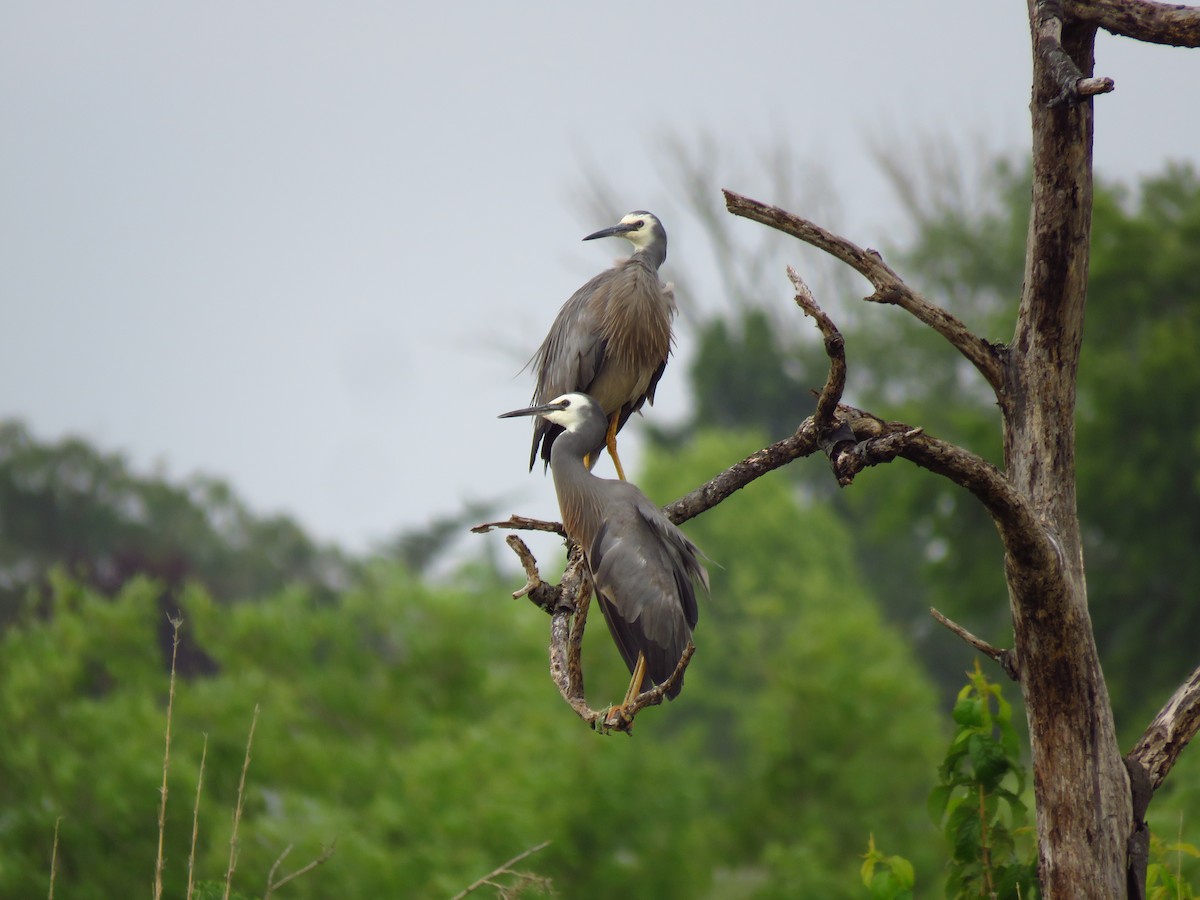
x=642 y=237
x=574 y=412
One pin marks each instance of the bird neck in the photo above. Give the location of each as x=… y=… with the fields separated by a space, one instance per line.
x=653 y=255
x=570 y=448
x=575 y=485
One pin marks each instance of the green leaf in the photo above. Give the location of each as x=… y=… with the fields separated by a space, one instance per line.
x=964 y=832
x=969 y=712
x=938 y=798
x=989 y=760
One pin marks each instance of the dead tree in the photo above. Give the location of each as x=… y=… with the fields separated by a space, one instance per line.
x=1091 y=799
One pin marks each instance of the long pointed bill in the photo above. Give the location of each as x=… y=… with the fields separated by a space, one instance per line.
x=531 y=411
x=621 y=228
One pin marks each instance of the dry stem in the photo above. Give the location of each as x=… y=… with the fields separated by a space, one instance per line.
x=196 y=821
x=237 y=810
x=502 y=869
x=272 y=885
x=176 y=624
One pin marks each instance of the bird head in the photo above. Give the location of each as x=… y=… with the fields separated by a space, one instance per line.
x=640 y=228
x=570 y=411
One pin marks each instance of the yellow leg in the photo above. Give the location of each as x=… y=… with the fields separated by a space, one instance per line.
x=616 y=716
x=635 y=683
x=611 y=441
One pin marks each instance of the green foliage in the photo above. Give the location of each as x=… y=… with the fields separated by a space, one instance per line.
x=977 y=804
x=1164 y=875
x=417 y=728
x=978 y=799
x=67 y=504
x=887 y=877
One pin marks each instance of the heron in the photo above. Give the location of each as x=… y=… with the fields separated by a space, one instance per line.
x=610 y=340
x=644 y=569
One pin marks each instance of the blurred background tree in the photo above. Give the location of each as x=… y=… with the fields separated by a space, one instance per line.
x=417 y=726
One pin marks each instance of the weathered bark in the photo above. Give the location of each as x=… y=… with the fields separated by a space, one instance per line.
x=1142 y=20
x=1080 y=783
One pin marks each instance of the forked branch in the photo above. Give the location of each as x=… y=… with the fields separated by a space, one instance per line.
x=889 y=287
x=1073 y=86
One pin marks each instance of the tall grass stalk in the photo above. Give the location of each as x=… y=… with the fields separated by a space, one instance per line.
x=196 y=822
x=162 y=807
x=237 y=810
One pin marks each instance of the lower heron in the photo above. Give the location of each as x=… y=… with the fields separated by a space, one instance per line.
x=644 y=569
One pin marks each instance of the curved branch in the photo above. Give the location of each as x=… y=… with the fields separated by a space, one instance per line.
x=568 y=603
x=1142 y=20
x=1174 y=726
x=889 y=287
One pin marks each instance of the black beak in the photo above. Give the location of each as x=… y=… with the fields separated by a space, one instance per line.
x=622 y=228
x=531 y=411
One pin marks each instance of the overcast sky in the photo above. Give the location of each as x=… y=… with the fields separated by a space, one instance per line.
x=307 y=247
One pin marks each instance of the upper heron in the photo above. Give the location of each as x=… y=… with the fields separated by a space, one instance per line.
x=611 y=340
x=643 y=567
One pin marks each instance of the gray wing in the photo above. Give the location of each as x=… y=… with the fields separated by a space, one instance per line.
x=569 y=357
x=645 y=571
x=667 y=293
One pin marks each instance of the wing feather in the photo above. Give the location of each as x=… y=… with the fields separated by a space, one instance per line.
x=645 y=571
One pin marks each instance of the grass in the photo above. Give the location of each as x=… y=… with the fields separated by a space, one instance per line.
x=159 y=859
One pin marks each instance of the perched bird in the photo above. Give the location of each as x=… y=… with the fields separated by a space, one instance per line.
x=611 y=340
x=643 y=567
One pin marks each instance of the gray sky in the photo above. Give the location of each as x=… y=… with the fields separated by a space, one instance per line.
x=308 y=246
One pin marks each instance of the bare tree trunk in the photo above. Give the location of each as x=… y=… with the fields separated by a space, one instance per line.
x=1083 y=810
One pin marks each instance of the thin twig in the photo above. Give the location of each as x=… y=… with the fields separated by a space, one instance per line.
x=521 y=523
x=196 y=822
x=176 y=624
x=546 y=596
x=1005 y=658
x=275 y=867
x=500 y=870
x=326 y=853
x=237 y=810
x=54 y=858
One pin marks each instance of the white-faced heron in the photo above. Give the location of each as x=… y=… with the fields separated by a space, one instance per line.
x=611 y=340
x=644 y=568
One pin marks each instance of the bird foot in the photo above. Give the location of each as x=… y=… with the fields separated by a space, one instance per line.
x=615 y=718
